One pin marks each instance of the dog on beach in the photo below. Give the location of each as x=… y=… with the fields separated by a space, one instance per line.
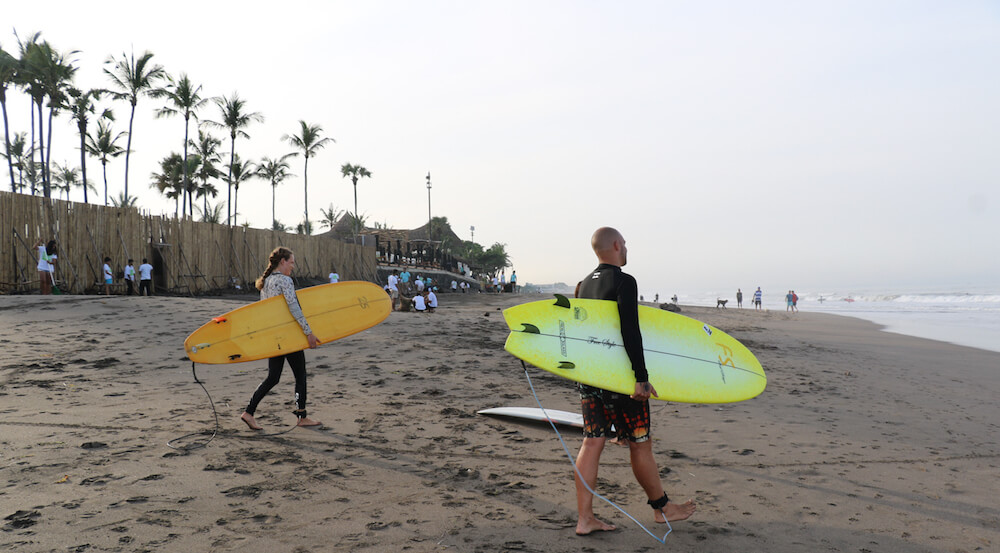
x=720 y=303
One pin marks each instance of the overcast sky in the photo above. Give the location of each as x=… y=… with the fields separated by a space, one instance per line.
x=807 y=145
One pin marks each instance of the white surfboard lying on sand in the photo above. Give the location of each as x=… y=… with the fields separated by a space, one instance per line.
x=535 y=414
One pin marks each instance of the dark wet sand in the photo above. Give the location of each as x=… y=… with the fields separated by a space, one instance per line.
x=864 y=441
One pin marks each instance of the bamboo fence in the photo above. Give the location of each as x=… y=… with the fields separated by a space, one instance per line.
x=188 y=257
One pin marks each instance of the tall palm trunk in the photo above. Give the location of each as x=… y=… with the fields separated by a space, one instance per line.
x=6 y=138
x=305 y=179
x=274 y=199
x=229 y=179
x=128 y=147
x=104 y=165
x=46 y=188
x=83 y=156
x=186 y=192
x=48 y=153
x=356 y=220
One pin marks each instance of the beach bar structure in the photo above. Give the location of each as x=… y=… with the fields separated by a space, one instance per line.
x=188 y=257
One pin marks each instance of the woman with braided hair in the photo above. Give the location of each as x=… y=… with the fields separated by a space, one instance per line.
x=277 y=280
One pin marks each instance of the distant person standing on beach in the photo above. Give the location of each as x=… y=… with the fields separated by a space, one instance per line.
x=394 y=287
x=795 y=302
x=129 y=278
x=145 y=278
x=628 y=414
x=513 y=281
x=757 y=297
x=107 y=276
x=788 y=301
x=46 y=265
x=739 y=298
x=277 y=281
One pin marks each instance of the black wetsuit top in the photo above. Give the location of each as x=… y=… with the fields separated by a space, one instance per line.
x=608 y=282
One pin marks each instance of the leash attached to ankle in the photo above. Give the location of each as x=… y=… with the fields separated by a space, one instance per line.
x=659 y=504
x=664 y=499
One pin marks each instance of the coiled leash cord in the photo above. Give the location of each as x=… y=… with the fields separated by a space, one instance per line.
x=670 y=528
x=215 y=432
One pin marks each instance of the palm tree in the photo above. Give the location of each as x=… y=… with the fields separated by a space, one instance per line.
x=46 y=74
x=124 y=200
x=8 y=72
x=186 y=100
x=67 y=178
x=274 y=171
x=104 y=146
x=207 y=150
x=331 y=216
x=211 y=214
x=355 y=172
x=235 y=118
x=16 y=159
x=25 y=78
x=133 y=78
x=168 y=181
x=239 y=172
x=81 y=107
x=308 y=140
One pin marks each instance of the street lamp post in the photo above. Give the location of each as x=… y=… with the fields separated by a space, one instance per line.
x=429 y=235
x=472 y=230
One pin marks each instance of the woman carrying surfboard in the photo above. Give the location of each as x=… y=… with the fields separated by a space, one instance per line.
x=277 y=280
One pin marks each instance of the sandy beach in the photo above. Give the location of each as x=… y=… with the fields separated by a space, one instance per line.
x=864 y=441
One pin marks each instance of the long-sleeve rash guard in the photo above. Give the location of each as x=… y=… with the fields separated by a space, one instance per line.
x=279 y=284
x=608 y=282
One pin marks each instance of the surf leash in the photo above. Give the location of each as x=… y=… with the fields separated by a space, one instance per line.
x=569 y=455
x=215 y=432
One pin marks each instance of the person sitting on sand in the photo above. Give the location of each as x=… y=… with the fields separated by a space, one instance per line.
x=275 y=281
x=420 y=303
x=603 y=409
x=432 y=301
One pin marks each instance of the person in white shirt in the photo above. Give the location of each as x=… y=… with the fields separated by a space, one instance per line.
x=145 y=278
x=334 y=277
x=432 y=301
x=129 y=278
x=454 y=286
x=419 y=303
x=107 y=276
x=394 y=287
x=419 y=284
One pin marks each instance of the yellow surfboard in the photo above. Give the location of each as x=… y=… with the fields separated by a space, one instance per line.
x=266 y=328
x=580 y=339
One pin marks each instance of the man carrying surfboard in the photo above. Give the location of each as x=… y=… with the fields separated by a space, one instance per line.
x=603 y=409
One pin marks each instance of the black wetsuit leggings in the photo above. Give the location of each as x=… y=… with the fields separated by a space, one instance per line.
x=297 y=361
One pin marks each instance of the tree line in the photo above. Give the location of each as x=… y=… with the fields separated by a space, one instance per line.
x=46 y=75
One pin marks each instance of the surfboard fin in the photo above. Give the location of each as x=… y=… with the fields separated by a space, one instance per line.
x=562 y=301
x=530 y=328
x=566 y=365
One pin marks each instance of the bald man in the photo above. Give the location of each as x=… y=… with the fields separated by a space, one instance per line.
x=628 y=414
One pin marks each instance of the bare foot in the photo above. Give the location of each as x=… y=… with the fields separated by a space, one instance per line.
x=590 y=525
x=673 y=512
x=306 y=421
x=248 y=418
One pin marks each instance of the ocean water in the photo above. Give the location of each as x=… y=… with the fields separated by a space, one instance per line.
x=965 y=317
